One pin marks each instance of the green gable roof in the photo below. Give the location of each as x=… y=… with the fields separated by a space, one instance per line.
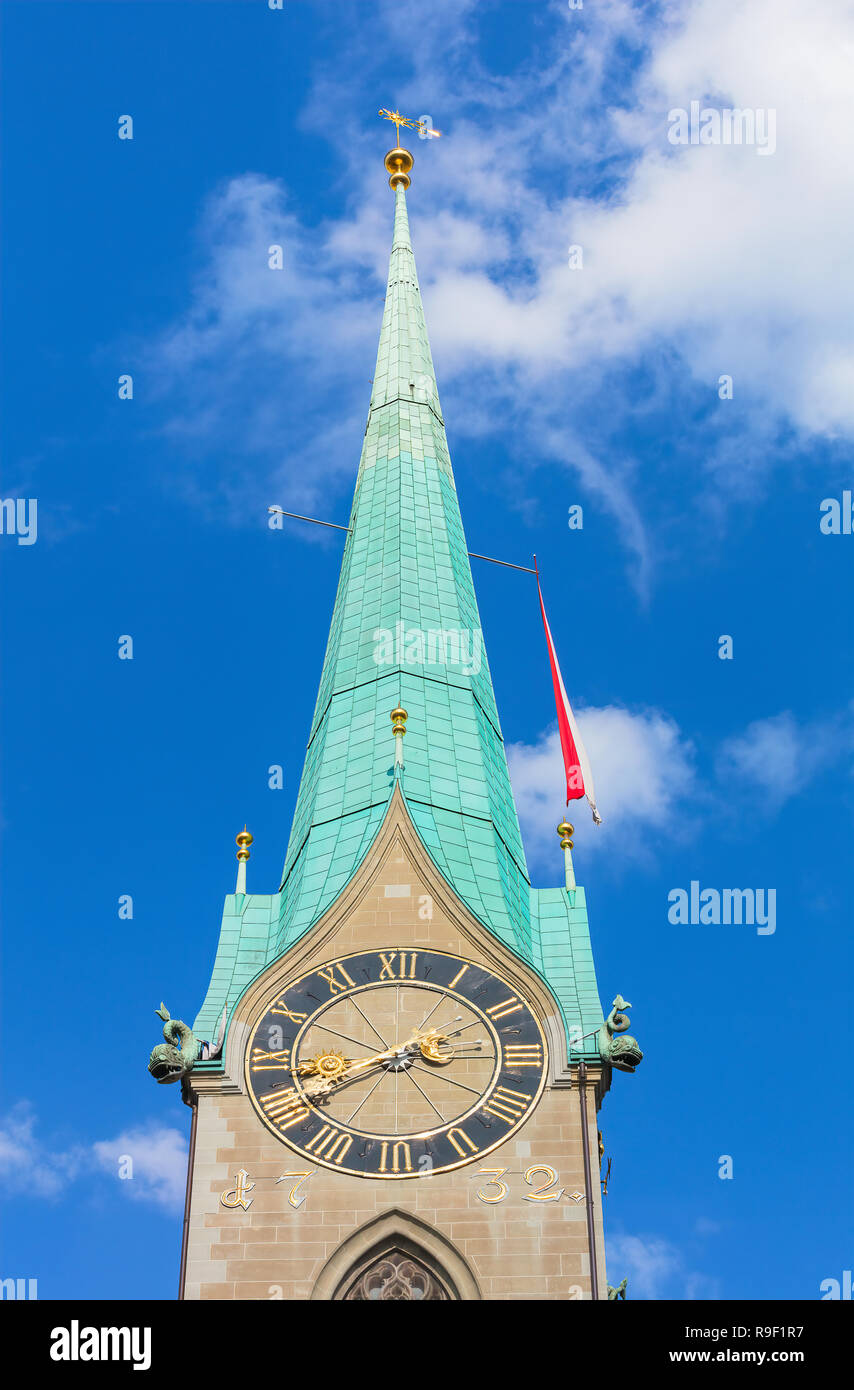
x=405 y=630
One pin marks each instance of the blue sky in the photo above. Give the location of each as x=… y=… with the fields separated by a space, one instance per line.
x=596 y=386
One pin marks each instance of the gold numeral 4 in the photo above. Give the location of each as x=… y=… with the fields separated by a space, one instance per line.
x=507 y=1104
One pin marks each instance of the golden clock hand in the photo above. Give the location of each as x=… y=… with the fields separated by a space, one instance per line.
x=420 y=1036
x=351 y=1072
x=430 y=1048
x=324 y=1086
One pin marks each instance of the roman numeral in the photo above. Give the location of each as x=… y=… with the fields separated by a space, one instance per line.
x=284 y=1108
x=270 y=1061
x=399 y=1150
x=329 y=1143
x=457 y=977
x=507 y=1104
x=404 y=972
x=295 y=1018
x=335 y=985
x=509 y=1006
x=523 y=1055
x=458 y=1137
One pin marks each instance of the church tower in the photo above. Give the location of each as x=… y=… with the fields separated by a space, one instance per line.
x=408 y=1050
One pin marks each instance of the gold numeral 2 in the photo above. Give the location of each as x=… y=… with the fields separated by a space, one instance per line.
x=509 y=1006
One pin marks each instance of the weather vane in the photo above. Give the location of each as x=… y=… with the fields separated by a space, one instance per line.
x=420 y=126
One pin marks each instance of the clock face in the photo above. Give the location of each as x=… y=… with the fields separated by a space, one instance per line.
x=396 y=1064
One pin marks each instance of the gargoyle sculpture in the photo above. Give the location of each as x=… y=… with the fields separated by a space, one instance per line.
x=621 y=1052
x=169 y=1062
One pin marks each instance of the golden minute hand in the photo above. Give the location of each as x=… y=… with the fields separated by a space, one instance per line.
x=324 y=1085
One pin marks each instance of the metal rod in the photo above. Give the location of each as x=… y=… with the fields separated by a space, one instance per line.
x=335 y=527
x=588 y=1181
x=505 y=563
x=296 y=516
x=185 y=1233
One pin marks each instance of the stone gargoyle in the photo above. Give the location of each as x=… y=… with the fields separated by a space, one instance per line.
x=621 y=1052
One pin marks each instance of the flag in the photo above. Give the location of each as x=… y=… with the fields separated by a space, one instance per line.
x=579 y=778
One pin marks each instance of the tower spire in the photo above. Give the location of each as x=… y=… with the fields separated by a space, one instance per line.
x=406 y=635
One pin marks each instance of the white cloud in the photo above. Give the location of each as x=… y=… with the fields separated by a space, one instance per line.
x=655 y=1269
x=47 y=1171
x=645 y=780
x=776 y=758
x=159 y=1158
x=647 y=783
x=158 y=1155
x=738 y=261
x=698 y=260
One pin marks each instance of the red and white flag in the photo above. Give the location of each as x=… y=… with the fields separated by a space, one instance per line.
x=579 y=778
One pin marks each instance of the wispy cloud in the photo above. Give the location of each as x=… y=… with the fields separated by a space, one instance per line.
x=157 y=1168
x=148 y=1162
x=648 y=772
x=655 y=1269
x=49 y=1171
x=686 y=273
x=645 y=774
x=775 y=759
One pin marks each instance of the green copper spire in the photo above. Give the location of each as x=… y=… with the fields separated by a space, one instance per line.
x=405 y=609
x=406 y=632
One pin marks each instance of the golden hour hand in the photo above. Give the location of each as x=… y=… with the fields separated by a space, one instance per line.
x=436 y=1046
x=329 y=1070
x=329 y=1065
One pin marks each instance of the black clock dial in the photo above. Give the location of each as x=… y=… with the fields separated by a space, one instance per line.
x=396 y=1063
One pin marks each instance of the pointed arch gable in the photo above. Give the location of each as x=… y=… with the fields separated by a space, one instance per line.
x=397 y=1230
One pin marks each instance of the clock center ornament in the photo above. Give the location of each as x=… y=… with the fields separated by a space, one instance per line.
x=333 y=1068
x=443 y=1061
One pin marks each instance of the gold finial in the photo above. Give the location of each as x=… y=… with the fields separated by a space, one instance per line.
x=398 y=728
x=566 y=832
x=243 y=841
x=399 y=161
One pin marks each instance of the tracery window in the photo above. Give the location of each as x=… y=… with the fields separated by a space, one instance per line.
x=393 y=1276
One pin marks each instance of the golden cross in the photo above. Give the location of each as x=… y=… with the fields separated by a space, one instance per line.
x=403 y=120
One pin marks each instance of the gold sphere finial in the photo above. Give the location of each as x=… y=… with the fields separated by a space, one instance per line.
x=565 y=830
x=243 y=841
x=399 y=163
x=398 y=721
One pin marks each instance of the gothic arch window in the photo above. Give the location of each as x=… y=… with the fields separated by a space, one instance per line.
x=396 y=1257
x=394 y=1276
